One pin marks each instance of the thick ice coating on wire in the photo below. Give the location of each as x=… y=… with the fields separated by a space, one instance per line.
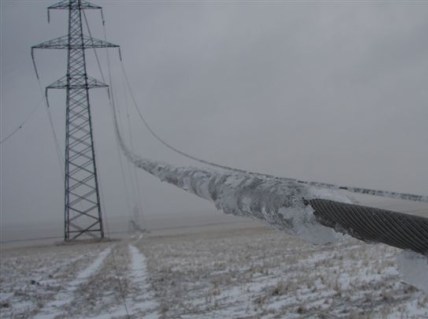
x=278 y=202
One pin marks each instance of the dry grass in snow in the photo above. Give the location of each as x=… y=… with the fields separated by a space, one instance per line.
x=230 y=273
x=263 y=273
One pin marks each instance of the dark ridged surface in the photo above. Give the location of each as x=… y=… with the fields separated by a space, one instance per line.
x=374 y=225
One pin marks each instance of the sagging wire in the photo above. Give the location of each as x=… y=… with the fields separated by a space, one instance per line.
x=282 y=205
x=53 y=131
x=132 y=170
x=359 y=190
x=111 y=100
x=24 y=122
x=112 y=97
x=47 y=108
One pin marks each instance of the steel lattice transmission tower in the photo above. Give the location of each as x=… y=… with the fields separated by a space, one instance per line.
x=82 y=214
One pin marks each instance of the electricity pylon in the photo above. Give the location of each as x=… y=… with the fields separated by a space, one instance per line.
x=82 y=209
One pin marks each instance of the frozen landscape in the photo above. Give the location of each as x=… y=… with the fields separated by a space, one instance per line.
x=236 y=271
x=270 y=111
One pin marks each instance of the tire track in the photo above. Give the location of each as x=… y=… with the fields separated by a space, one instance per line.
x=139 y=275
x=66 y=296
x=140 y=300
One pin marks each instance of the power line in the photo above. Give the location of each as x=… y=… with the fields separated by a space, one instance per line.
x=20 y=126
x=111 y=100
x=283 y=205
x=360 y=190
x=52 y=126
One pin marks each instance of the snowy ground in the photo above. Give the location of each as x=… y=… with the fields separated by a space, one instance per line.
x=214 y=273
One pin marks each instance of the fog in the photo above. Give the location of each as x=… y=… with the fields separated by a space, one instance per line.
x=326 y=91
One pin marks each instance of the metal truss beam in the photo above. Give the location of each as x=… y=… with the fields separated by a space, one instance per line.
x=82 y=209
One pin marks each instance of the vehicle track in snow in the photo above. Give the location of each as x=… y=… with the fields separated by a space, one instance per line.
x=56 y=307
x=77 y=281
x=30 y=277
x=137 y=300
x=245 y=273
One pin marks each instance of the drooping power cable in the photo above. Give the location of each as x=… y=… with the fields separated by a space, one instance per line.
x=111 y=100
x=290 y=206
x=360 y=190
x=27 y=118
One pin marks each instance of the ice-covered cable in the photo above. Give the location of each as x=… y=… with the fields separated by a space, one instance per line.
x=314 y=213
x=280 y=203
x=359 y=190
x=371 y=224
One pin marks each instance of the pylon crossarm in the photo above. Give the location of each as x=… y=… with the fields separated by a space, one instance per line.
x=91 y=83
x=93 y=43
x=65 y=5
x=57 y=43
x=94 y=83
x=63 y=43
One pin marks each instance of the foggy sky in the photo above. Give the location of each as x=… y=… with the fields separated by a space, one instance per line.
x=331 y=91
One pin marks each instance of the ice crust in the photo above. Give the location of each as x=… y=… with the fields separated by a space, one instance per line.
x=413 y=269
x=277 y=202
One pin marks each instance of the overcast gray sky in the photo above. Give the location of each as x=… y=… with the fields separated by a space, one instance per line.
x=332 y=91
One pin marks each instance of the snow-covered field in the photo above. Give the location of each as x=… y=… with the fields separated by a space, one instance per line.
x=252 y=272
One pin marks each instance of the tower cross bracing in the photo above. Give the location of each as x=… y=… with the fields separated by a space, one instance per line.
x=82 y=209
